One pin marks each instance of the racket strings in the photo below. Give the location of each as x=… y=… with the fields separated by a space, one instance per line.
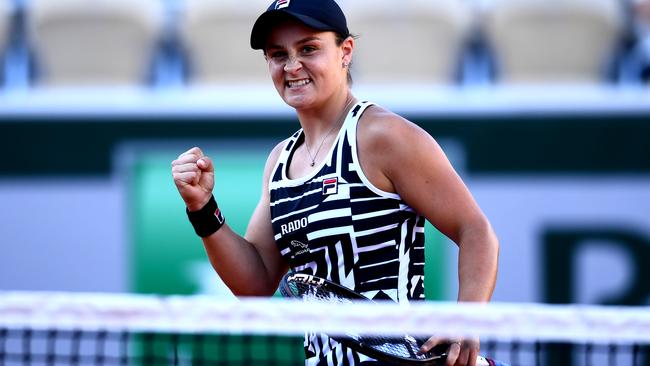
x=312 y=293
x=406 y=346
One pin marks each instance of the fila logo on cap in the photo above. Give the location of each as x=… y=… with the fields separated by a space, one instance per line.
x=282 y=4
x=330 y=186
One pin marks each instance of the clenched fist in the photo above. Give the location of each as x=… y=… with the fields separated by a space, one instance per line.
x=193 y=175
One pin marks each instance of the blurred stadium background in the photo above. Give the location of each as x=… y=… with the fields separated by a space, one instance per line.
x=542 y=105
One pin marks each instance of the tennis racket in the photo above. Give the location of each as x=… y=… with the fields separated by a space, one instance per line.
x=395 y=350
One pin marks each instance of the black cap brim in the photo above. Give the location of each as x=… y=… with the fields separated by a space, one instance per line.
x=271 y=18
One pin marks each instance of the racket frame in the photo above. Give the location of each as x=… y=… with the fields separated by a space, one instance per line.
x=344 y=292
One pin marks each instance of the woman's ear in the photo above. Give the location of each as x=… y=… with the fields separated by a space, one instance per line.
x=348 y=49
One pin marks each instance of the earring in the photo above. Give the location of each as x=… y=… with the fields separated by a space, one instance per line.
x=345 y=64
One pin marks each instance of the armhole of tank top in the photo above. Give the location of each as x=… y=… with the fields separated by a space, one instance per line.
x=355 y=159
x=283 y=157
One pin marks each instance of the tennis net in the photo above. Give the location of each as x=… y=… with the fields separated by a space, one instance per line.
x=120 y=329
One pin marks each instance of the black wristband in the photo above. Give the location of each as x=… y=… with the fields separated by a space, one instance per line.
x=207 y=220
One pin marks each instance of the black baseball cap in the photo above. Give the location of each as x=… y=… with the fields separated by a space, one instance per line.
x=323 y=15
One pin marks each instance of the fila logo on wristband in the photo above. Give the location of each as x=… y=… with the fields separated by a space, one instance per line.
x=207 y=220
x=219 y=216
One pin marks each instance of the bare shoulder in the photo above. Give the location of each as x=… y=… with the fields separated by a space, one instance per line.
x=385 y=141
x=275 y=153
x=272 y=159
x=392 y=149
x=382 y=131
x=381 y=128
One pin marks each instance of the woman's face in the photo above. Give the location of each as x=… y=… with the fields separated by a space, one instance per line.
x=306 y=64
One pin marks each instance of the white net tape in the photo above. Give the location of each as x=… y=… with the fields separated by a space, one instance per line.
x=202 y=314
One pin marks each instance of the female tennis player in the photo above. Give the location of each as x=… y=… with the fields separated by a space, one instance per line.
x=345 y=197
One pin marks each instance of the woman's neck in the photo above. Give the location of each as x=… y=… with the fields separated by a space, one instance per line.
x=318 y=122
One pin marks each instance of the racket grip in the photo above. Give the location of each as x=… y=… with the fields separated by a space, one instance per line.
x=482 y=361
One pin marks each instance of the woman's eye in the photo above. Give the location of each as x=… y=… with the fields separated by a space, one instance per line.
x=277 y=54
x=308 y=49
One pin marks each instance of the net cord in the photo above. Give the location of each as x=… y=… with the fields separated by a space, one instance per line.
x=205 y=314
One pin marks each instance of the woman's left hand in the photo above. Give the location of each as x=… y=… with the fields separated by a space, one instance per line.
x=460 y=351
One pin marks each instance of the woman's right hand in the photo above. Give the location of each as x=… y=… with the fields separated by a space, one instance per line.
x=193 y=175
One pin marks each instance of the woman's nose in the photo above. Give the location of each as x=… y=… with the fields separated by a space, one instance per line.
x=292 y=64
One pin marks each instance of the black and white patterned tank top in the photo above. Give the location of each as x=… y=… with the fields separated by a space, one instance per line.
x=334 y=223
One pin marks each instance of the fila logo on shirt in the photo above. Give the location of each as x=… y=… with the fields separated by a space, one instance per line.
x=281 y=4
x=293 y=226
x=330 y=186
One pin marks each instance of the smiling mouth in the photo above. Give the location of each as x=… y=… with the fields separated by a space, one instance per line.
x=298 y=83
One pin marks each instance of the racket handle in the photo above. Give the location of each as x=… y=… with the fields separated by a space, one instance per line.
x=482 y=361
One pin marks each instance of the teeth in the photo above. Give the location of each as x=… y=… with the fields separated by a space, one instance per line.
x=297 y=83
